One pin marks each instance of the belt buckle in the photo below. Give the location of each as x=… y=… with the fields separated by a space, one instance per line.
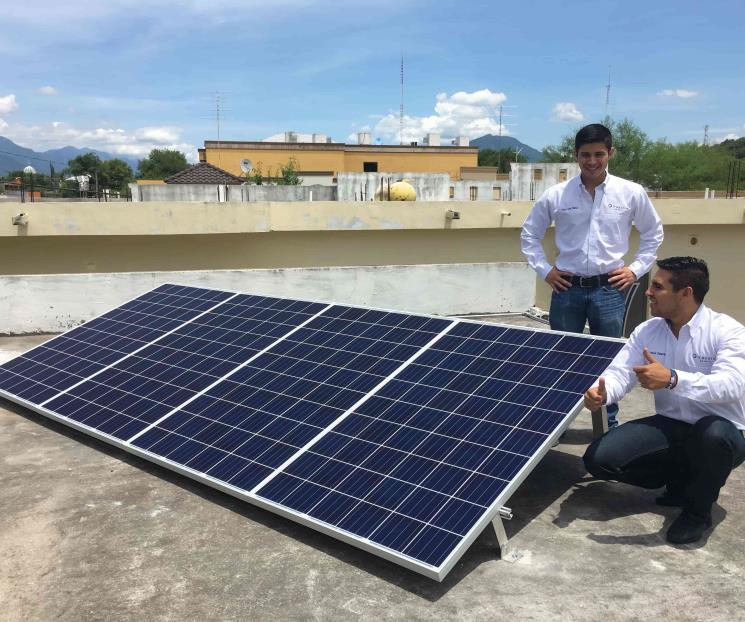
x=588 y=281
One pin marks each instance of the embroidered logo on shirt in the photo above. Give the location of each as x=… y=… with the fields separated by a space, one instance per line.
x=653 y=353
x=568 y=209
x=704 y=359
x=616 y=207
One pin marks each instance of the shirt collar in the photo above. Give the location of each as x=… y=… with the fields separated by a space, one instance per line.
x=695 y=322
x=601 y=185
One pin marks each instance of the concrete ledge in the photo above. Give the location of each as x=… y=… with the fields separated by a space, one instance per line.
x=53 y=303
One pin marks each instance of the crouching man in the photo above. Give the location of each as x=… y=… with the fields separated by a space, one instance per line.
x=693 y=359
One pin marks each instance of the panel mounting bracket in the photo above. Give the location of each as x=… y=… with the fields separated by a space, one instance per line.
x=507 y=550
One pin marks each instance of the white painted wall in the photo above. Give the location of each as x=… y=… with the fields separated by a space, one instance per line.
x=57 y=302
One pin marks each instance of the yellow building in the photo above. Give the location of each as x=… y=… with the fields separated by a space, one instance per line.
x=333 y=158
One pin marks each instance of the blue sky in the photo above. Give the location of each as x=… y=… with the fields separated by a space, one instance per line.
x=126 y=76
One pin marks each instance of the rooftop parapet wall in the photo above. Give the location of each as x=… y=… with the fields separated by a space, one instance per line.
x=188 y=218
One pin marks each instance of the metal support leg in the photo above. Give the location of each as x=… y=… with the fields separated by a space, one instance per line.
x=599 y=422
x=507 y=551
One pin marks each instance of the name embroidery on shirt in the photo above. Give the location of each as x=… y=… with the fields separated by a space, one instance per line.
x=617 y=207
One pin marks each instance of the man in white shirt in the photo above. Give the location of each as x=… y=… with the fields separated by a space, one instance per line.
x=593 y=214
x=693 y=359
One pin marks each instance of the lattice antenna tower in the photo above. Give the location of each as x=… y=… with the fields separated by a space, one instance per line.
x=706 y=135
x=401 y=109
x=217 y=121
x=607 y=93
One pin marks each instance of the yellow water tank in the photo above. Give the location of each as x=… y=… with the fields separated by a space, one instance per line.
x=402 y=191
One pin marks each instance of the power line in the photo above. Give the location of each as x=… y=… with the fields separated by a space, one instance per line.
x=28 y=157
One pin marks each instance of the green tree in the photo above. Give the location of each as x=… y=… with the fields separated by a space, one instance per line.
x=563 y=152
x=84 y=164
x=683 y=166
x=733 y=147
x=115 y=174
x=500 y=158
x=162 y=163
x=289 y=172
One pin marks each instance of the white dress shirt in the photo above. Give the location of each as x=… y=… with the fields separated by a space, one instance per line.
x=592 y=235
x=709 y=357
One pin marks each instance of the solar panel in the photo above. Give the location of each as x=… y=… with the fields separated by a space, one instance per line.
x=402 y=434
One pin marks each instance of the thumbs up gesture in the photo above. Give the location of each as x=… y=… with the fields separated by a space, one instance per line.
x=652 y=375
x=596 y=396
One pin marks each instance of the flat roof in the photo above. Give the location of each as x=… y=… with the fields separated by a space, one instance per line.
x=260 y=145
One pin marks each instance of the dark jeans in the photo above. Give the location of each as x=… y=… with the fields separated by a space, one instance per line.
x=693 y=460
x=601 y=307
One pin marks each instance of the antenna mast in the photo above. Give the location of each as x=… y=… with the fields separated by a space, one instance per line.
x=607 y=93
x=217 y=119
x=401 y=110
x=706 y=135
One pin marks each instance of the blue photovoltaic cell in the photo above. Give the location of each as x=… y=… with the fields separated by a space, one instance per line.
x=343 y=416
x=65 y=360
x=416 y=466
x=244 y=428
x=127 y=397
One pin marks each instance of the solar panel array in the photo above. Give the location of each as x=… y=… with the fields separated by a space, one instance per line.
x=402 y=434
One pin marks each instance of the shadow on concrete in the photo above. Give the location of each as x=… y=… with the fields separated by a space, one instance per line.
x=599 y=501
x=550 y=480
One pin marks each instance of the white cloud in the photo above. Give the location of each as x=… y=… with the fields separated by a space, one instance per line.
x=48 y=90
x=467 y=114
x=566 y=111
x=683 y=93
x=134 y=143
x=8 y=104
x=726 y=137
x=3 y=125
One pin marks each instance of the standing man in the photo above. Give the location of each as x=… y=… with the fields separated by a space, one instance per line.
x=593 y=214
x=693 y=359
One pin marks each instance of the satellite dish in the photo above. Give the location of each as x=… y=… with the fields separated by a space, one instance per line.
x=246 y=165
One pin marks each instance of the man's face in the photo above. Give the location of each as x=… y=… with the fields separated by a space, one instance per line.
x=663 y=301
x=593 y=160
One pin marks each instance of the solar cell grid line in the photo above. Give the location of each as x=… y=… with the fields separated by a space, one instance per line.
x=392 y=433
x=250 y=424
x=226 y=376
x=128 y=396
x=63 y=361
x=278 y=491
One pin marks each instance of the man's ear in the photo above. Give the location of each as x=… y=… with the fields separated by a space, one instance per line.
x=611 y=152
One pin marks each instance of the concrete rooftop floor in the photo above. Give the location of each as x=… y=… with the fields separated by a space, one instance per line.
x=90 y=532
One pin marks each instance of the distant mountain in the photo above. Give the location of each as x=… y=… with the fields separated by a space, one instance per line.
x=507 y=142
x=13 y=157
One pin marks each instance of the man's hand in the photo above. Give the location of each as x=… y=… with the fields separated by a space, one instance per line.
x=621 y=278
x=654 y=375
x=596 y=396
x=556 y=279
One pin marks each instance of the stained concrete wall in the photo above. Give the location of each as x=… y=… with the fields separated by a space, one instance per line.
x=315 y=192
x=202 y=193
x=525 y=188
x=121 y=237
x=428 y=186
x=52 y=303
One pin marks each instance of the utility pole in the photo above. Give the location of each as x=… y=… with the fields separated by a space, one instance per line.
x=217 y=119
x=499 y=153
x=401 y=109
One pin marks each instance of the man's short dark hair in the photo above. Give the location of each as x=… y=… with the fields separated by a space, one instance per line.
x=593 y=133
x=687 y=272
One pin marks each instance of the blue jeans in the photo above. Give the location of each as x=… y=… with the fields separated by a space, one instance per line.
x=602 y=307
x=691 y=460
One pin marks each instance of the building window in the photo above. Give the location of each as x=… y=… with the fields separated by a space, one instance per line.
x=496 y=193
x=537 y=174
x=473 y=193
x=370 y=167
x=562 y=174
x=452 y=192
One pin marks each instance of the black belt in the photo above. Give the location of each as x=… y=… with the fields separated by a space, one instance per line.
x=589 y=281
